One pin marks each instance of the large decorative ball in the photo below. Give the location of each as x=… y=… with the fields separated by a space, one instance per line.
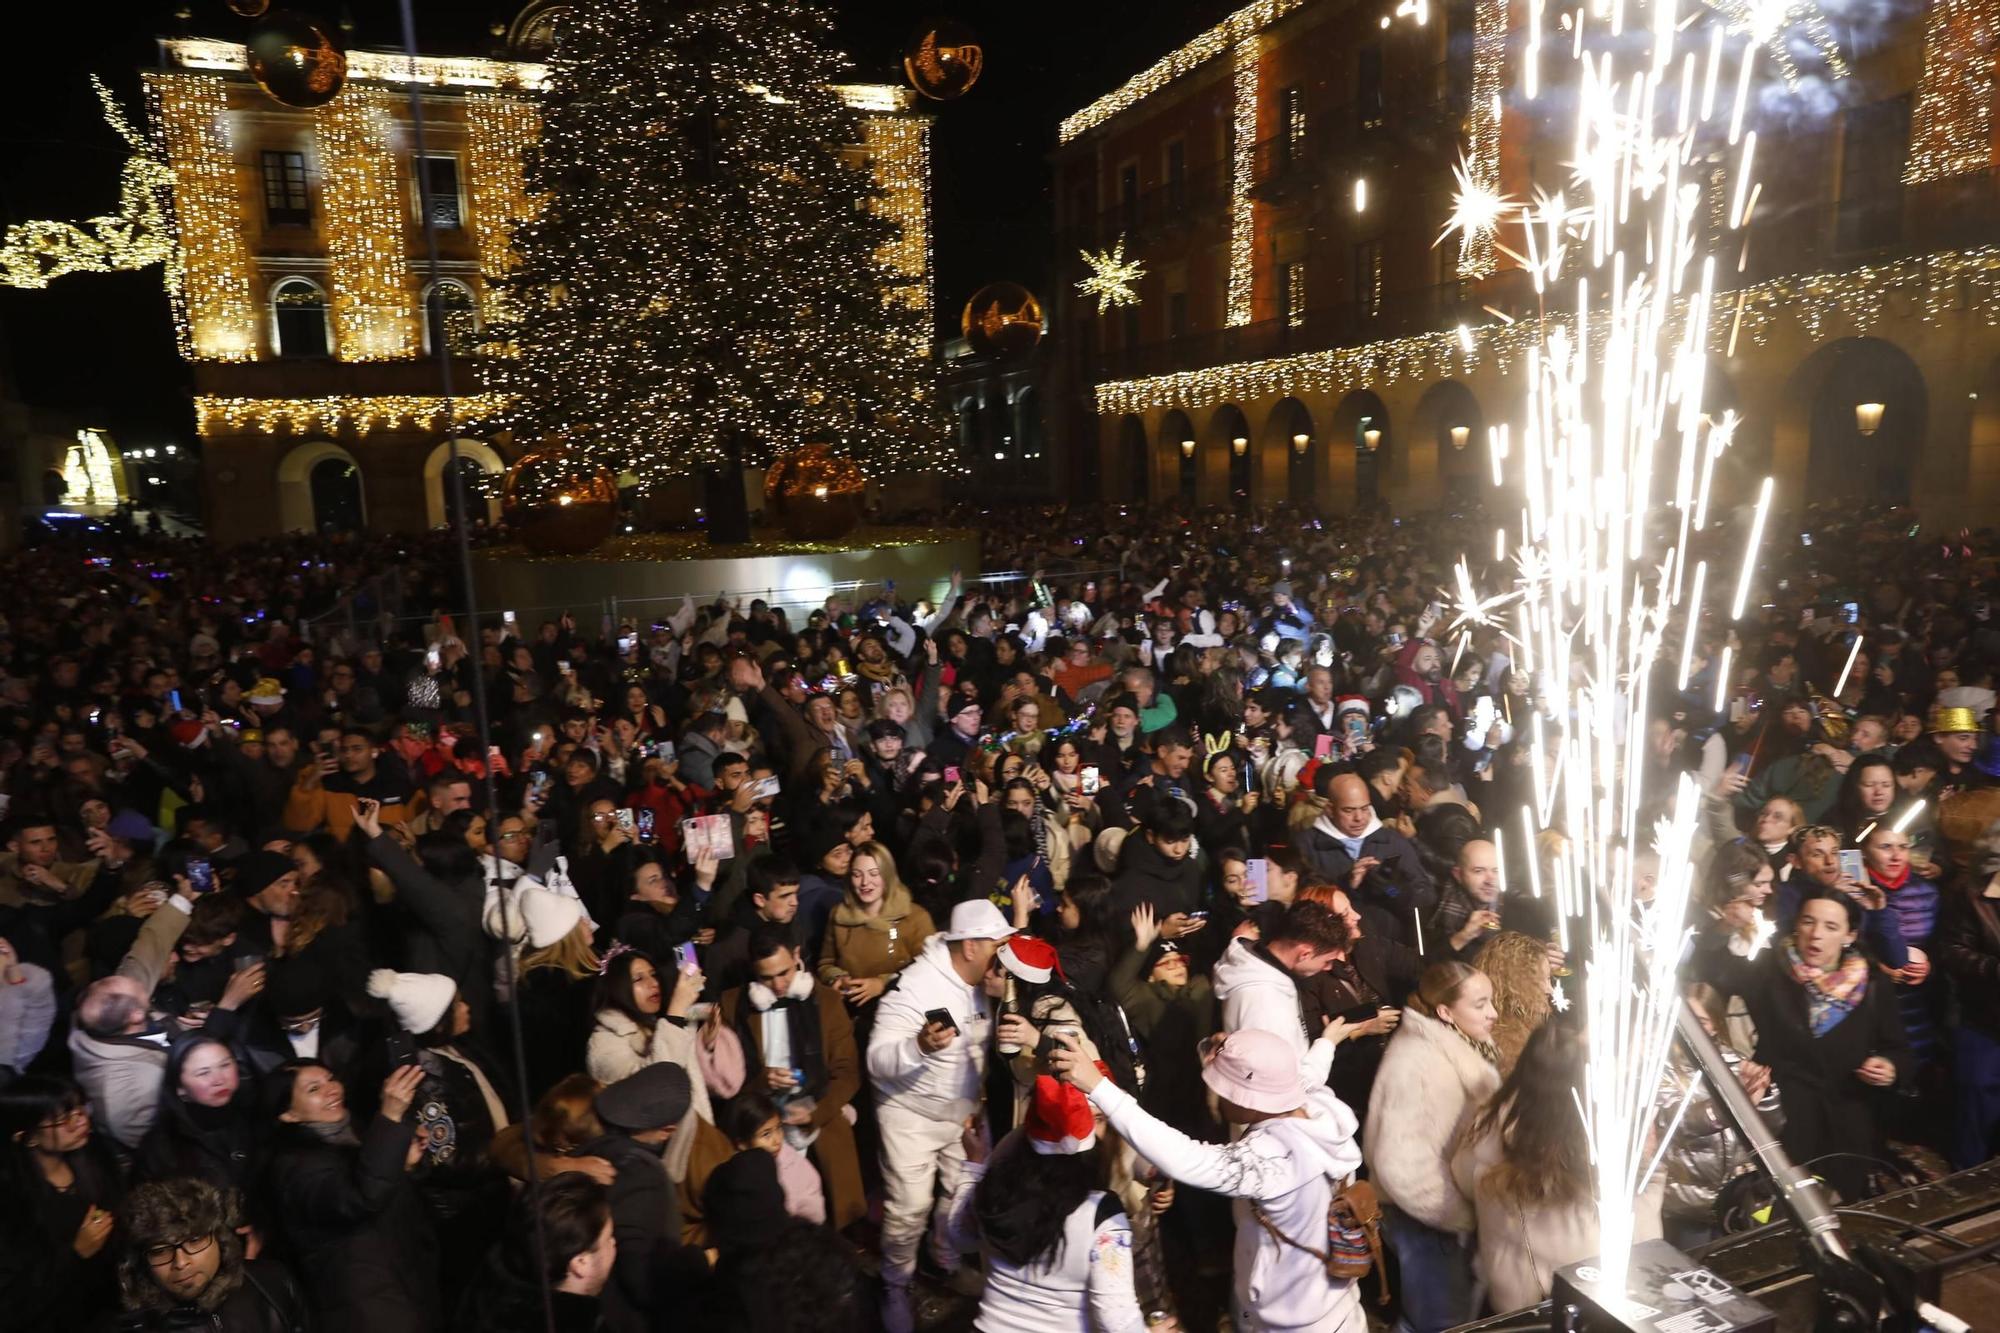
x=559 y=503
x=814 y=494
x=295 y=61
x=943 y=60
x=249 y=9
x=1002 y=319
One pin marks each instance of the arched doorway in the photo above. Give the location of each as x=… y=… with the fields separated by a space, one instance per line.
x=320 y=490
x=1867 y=414
x=1291 y=452
x=1361 y=422
x=476 y=462
x=1225 y=455
x=1448 y=420
x=1132 y=460
x=1178 y=440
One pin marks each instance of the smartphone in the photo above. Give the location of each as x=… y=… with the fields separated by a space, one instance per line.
x=951 y=776
x=402 y=1049
x=1738 y=710
x=243 y=962
x=763 y=789
x=564 y=668
x=174 y=700
x=538 y=782
x=1852 y=866
x=626 y=643
x=628 y=820
x=1093 y=781
x=1323 y=745
x=646 y=825
x=942 y=1017
x=685 y=957
x=664 y=752
x=1257 y=876
x=510 y=622
x=1357 y=729
x=1805 y=539
x=201 y=875
x=1851 y=612
x=1197 y=916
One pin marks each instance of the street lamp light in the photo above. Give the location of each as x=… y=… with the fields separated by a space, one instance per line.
x=1459 y=435
x=1238 y=445
x=1868 y=417
x=1187 y=448
x=1299 y=443
x=1370 y=439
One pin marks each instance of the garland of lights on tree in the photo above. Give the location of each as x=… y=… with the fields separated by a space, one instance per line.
x=705 y=282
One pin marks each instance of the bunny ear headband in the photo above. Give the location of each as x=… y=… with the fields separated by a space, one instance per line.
x=1215 y=745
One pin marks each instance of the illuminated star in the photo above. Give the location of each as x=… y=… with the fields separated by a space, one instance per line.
x=1113 y=278
x=1557 y=1000
x=1775 y=24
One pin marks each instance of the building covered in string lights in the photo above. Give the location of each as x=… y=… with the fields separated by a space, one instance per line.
x=305 y=300
x=1285 y=177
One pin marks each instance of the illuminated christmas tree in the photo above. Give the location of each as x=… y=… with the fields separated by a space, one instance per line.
x=705 y=284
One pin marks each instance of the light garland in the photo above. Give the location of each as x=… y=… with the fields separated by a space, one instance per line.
x=1114 y=280
x=377 y=66
x=368 y=266
x=1951 y=130
x=209 y=274
x=1223 y=37
x=499 y=131
x=1858 y=299
x=33 y=254
x=1242 y=174
x=336 y=415
x=1480 y=174
x=900 y=148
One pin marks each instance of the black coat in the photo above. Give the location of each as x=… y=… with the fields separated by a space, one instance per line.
x=221 y=1149
x=1827 y=1108
x=1145 y=875
x=44 y=1283
x=1399 y=887
x=503 y=1301
x=268 y=1301
x=450 y=939
x=646 y=1222
x=356 y=1228
x=555 y=1014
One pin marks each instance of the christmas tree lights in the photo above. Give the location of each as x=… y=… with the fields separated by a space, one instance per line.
x=703 y=282
x=500 y=130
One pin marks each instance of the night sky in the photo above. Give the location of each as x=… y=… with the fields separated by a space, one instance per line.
x=102 y=345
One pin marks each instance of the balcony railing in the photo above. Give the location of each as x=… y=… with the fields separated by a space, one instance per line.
x=1155 y=211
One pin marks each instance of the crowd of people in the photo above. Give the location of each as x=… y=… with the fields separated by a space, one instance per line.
x=1123 y=947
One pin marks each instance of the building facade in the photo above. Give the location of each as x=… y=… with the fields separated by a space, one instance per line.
x=1285 y=178
x=304 y=297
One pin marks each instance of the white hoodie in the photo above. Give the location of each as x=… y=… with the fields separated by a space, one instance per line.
x=1257 y=993
x=1289 y=1168
x=944 y=1085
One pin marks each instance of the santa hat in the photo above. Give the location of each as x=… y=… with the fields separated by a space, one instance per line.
x=1031 y=959
x=1059 y=1120
x=419 y=1000
x=1350 y=703
x=541 y=916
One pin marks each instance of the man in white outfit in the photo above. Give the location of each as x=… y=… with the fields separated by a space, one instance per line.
x=927 y=1060
x=1256 y=982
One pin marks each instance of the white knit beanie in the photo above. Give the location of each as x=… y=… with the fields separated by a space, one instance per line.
x=545 y=915
x=419 y=1000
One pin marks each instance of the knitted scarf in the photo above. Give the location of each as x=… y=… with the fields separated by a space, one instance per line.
x=1830 y=996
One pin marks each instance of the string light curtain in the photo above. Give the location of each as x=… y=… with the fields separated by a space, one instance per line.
x=704 y=279
x=366 y=209
x=215 y=416
x=1951 y=130
x=1489 y=53
x=500 y=131
x=209 y=275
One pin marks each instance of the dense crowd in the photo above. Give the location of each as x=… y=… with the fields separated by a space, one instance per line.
x=1126 y=946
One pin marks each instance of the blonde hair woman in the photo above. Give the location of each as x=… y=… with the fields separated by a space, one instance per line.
x=876 y=932
x=1518 y=966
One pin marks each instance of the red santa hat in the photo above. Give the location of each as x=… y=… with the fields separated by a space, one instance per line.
x=1031 y=959
x=1059 y=1119
x=1350 y=703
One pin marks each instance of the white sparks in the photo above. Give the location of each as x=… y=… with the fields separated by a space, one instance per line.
x=1783 y=27
x=1558 y=1001
x=1477 y=209
x=1114 y=279
x=1847 y=670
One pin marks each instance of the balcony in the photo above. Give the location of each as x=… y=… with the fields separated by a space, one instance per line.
x=1164 y=210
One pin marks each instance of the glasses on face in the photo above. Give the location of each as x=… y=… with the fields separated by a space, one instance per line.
x=512 y=834
x=159 y=1255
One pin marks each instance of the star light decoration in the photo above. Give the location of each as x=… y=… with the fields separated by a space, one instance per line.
x=1114 y=279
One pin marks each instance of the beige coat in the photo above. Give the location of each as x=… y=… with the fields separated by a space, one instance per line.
x=1430 y=1086
x=859 y=945
x=122 y=1076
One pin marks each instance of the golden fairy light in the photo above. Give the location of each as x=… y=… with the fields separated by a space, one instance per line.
x=368 y=261
x=35 y=253
x=209 y=277
x=1114 y=280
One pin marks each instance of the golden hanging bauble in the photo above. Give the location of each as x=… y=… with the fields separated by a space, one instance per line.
x=943 y=60
x=295 y=61
x=558 y=502
x=1002 y=319
x=249 y=9
x=814 y=494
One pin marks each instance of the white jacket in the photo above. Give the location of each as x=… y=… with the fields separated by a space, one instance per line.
x=1257 y=993
x=1287 y=1168
x=620 y=1048
x=945 y=1085
x=1430 y=1086
x=1084 y=1287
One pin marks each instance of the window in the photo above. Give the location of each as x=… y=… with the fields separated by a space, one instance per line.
x=1291 y=123
x=1292 y=294
x=1177 y=181
x=1368 y=107
x=1083 y=216
x=1128 y=195
x=298 y=318
x=1368 y=279
x=1177 y=314
x=452 y=308
x=1874 y=141
x=440 y=187
x=286 y=203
